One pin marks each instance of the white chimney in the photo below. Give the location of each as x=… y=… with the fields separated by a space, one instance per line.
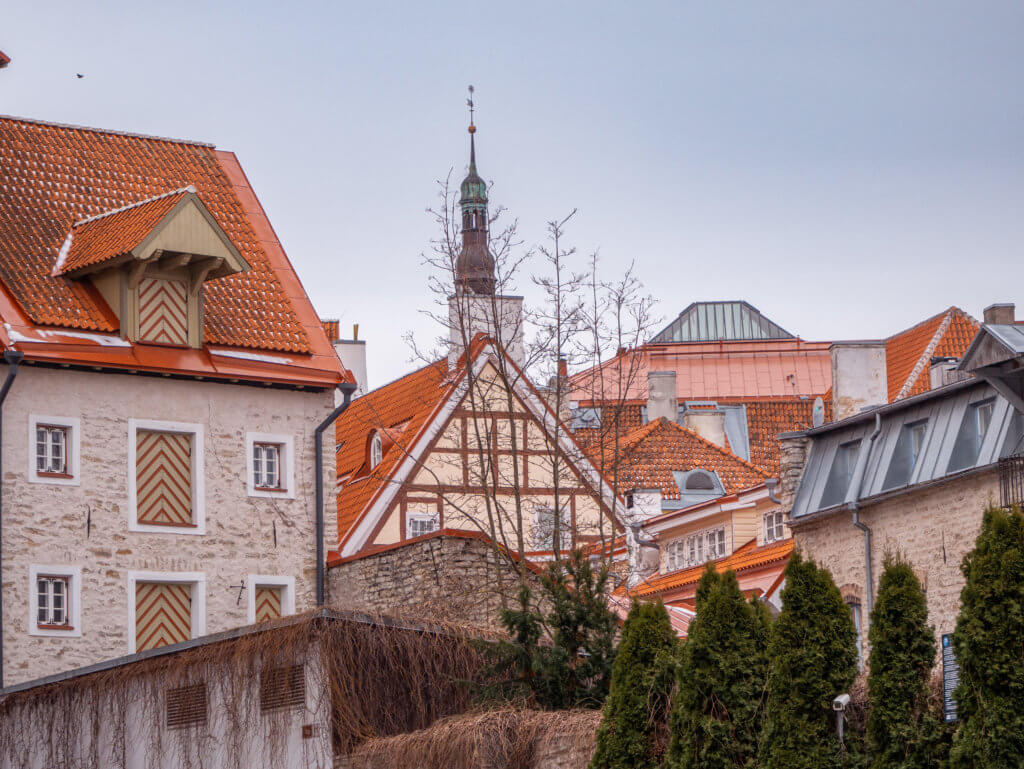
x=858 y=377
x=661 y=396
x=352 y=353
x=707 y=422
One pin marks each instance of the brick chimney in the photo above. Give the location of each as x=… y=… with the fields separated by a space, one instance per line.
x=858 y=377
x=661 y=395
x=1000 y=314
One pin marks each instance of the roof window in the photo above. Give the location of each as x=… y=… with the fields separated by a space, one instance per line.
x=905 y=455
x=376 y=450
x=840 y=474
x=973 y=429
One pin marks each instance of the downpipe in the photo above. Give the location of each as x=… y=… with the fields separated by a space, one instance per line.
x=858 y=484
x=321 y=566
x=12 y=358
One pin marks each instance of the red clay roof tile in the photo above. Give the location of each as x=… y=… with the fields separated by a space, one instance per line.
x=908 y=354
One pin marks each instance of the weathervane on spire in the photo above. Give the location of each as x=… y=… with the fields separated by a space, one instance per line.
x=469 y=102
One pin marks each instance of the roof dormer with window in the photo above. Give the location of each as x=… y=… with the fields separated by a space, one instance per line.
x=150 y=261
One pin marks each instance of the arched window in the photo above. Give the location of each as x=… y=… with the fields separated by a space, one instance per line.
x=376 y=450
x=699 y=480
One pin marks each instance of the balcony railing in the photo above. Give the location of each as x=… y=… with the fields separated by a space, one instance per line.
x=1011 y=480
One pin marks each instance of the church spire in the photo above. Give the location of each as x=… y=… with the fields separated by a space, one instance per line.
x=474 y=267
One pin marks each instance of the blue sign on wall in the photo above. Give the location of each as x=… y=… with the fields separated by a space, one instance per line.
x=950 y=677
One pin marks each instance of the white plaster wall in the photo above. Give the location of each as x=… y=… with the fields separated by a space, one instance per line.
x=48 y=523
x=858 y=377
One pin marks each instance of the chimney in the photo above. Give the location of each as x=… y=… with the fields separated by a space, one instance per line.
x=352 y=353
x=858 y=377
x=1000 y=314
x=707 y=420
x=943 y=371
x=661 y=396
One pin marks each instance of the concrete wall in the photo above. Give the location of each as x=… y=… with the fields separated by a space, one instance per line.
x=86 y=525
x=452 y=578
x=933 y=528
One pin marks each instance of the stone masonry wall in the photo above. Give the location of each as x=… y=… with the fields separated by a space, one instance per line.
x=87 y=525
x=452 y=577
x=934 y=528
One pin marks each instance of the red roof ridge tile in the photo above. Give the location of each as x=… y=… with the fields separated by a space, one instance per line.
x=111 y=131
x=951 y=309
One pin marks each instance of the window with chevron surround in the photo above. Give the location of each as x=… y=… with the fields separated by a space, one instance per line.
x=163 y=614
x=269 y=601
x=163 y=311
x=163 y=477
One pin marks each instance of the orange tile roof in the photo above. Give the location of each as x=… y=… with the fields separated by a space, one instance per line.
x=54 y=176
x=60 y=175
x=648 y=456
x=400 y=410
x=747 y=557
x=101 y=238
x=908 y=354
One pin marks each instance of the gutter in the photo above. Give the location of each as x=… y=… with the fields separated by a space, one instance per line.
x=346 y=390
x=12 y=358
x=854 y=506
x=772 y=484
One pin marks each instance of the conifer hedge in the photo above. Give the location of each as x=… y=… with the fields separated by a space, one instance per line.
x=642 y=678
x=718 y=708
x=813 y=658
x=900 y=728
x=989 y=646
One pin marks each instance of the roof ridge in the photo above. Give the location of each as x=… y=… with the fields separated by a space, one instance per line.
x=111 y=131
x=929 y=319
x=725 y=452
x=187 y=188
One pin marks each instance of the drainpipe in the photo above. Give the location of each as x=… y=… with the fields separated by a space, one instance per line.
x=772 y=484
x=12 y=358
x=346 y=390
x=858 y=484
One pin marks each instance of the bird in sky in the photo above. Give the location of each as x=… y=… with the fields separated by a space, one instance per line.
x=79 y=75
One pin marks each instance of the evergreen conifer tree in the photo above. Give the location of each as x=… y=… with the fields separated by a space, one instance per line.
x=902 y=655
x=813 y=657
x=642 y=678
x=989 y=646
x=718 y=708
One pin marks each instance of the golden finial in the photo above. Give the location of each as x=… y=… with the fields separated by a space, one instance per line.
x=469 y=102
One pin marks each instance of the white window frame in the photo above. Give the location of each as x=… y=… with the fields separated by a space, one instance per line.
x=197 y=579
x=72 y=449
x=287 y=469
x=376 y=449
x=675 y=555
x=782 y=524
x=415 y=515
x=287 y=585
x=699 y=542
x=198 y=526
x=74 y=599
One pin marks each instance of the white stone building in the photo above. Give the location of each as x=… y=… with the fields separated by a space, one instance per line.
x=166 y=377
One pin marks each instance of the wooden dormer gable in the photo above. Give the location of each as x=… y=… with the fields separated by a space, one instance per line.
x=150 y=261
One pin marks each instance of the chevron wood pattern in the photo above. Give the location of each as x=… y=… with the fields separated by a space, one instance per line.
x=268 y=603
x=163 y=614
x=163 y=478
x=163 y=311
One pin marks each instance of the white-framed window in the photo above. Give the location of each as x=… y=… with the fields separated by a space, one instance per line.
x=270 y=596
x=855 y=615
x=55 y=601
x=675 y=555
x=165 y=607
x=703 y=546
x=419 y=523
x=53 y=444
x=774 y=526
x=376 y=450
x=270 y=465
x=166 y=484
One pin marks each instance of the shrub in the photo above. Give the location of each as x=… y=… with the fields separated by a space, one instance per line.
x=642 y=678
x=719 y=706
x=989 y=646
x=813 y=658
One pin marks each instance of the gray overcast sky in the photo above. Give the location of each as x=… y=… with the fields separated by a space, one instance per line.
x=849 y=168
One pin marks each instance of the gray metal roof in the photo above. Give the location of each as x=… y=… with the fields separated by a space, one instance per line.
x=720 y=321
x=944 y=413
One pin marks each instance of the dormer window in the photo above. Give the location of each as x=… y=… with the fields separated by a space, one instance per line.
x=149 y=261
x=376 y=450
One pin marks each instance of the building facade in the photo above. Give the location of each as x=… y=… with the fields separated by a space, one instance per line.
x=166 y=375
